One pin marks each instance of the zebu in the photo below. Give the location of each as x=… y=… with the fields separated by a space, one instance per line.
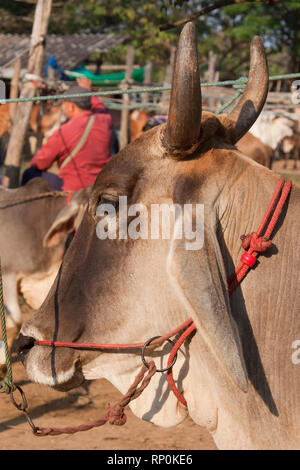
x=140 y=120
x=34 y=225
x=271 y=128
x=254 y=148
x=44 y=120
x=236 y=372
x=280 y=131
x=290 y=147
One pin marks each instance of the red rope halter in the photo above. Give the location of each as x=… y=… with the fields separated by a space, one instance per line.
x=255 y=243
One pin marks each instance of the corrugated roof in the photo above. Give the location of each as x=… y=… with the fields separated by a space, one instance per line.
x=69 y=50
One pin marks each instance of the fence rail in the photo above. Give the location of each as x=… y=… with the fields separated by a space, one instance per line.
x=238 y=85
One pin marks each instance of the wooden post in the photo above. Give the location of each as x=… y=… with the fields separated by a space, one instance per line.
x=14 y=88
x=212 y=58
x=23 y=112
x=51 y=76
x=165 y=98
x=211 y=75
x=278 y=86
x=147 y=80
x=125 y=86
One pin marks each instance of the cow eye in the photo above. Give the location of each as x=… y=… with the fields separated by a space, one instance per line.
x=109 y=199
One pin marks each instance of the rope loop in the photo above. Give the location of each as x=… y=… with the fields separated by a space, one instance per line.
x=116 y=415
x=255 y=243
x=240 y=83
x=143 y=354
x=7 y=386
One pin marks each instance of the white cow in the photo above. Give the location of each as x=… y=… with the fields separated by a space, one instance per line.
x=272 y=127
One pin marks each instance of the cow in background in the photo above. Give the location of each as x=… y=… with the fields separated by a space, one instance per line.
x=281 y=131
x=272 y=127
x=5 y=122
x=289 y=148
x=255 y=149
x=45 y=118
x=137 y=120
x=143 y=120
x=33 y=236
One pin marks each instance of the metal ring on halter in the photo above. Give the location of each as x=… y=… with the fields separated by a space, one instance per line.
x=22 y=406
x=143 y=353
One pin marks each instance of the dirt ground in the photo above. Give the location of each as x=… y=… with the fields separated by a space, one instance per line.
x=48 y=407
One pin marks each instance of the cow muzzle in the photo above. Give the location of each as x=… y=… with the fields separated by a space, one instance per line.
x=57 y=368
x=23 y=346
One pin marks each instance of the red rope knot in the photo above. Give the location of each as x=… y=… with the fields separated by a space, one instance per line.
x=116 y=415
x=255 y=243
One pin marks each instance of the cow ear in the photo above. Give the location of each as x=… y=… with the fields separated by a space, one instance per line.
x=200 y=282
x=65 y=223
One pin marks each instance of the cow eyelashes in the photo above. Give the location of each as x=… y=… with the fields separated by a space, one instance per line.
x=110 y=200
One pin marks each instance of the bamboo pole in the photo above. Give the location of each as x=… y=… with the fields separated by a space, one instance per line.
x=165 y=98
x=147 y=80
x=51 y=76
x=211 y=75
x=125 y=85
x=14 y=88
x=23 y=112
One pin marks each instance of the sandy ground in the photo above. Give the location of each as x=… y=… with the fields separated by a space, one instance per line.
x=48 y=407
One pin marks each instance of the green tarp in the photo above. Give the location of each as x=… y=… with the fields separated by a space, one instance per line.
x=110 y=79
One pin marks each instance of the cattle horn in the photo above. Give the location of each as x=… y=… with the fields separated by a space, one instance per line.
x=184 y=120
x=253 y=99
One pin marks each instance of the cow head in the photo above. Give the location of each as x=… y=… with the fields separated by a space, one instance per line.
x=125 y=289
x=46 y=118
x=137 y=120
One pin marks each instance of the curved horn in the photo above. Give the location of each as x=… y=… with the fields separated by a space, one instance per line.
x=253 y=99
x=184 y=119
